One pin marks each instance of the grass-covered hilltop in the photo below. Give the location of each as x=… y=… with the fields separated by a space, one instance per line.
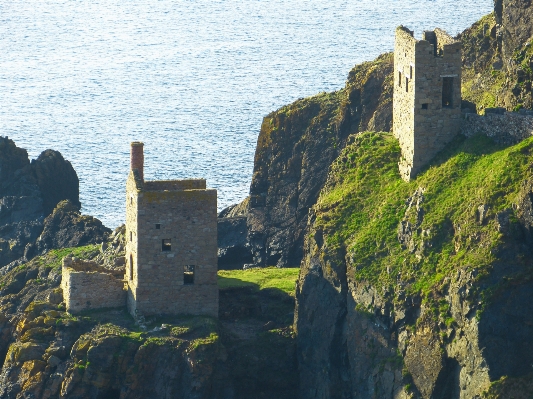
x=405 y=290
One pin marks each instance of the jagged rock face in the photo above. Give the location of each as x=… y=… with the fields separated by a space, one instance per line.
x=357 y=342
x=498 y=57
x=56 y=179
x=29 y=192
x=233 y=248
x=516 y=19
x=295 y=147
x=66 y=227
x=516 y=37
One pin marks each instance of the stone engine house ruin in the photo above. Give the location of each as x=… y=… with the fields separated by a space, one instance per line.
x=171 y=252
x=427 y=96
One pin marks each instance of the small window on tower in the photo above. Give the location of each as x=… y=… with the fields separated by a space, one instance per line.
x=131 y=236
x=399 y=79
x=411 y=72
x=407 y=85
x=447 y=92
x=188 y=274
x=158 y=226
x=425 y=106
x=166 y=245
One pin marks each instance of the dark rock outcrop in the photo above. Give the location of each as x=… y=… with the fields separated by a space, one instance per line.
x=66 y=227
x=295 y=147
x=233 y=248
x=29 y=192
x=56 y=179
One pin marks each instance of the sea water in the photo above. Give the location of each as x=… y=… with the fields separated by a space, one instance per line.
x=191 y=79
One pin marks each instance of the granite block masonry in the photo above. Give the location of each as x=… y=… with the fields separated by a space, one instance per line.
x=505 y=128
x=171 y=249
x=171 y=252
x=427 y=96
x=87 y=286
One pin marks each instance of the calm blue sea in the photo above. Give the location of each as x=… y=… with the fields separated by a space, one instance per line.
x=192 y=79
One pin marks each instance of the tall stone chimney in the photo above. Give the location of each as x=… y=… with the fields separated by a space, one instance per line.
x=137 y=158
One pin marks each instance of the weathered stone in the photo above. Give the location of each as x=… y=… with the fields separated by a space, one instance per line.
x=482 y=213
x=503 y=127
x=22 y=352
x=53 y=361
x=427 y=96
x=87 y=285
x=171 y=245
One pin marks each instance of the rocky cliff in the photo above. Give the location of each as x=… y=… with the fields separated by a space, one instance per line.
x=249 y=352
x=421 y=289
x=498 y=57
x=296 y=145
x=29 y=192
x=298 y=142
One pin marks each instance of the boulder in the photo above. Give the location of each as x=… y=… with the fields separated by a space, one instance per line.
x=57 y=180
x=67 y=227
x=29 y=192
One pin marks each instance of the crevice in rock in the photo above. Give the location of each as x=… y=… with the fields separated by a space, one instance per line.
x=448 y=382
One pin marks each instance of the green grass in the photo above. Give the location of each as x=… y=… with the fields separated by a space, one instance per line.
x=270 y=277
x=55 y=257
x=364 y=201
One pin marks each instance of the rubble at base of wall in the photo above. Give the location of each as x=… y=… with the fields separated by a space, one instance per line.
x=87 y=286
x=504 y=127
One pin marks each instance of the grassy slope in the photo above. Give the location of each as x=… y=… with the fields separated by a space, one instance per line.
x=365 y=200
x=271 y=277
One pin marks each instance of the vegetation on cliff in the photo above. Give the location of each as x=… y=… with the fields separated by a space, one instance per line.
x=497 y=71
x=49 y=353
x=459 y=210
x=262 y=278
x=425 y=268
x=295 y=147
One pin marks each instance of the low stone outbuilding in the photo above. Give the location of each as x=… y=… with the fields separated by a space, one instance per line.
x=87 y=285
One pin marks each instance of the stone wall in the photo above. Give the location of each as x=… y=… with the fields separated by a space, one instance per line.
x=505 y=128
x=162 y=185
x=425 y=120
x=87 y=286
x=403 y=98
x=159 y=278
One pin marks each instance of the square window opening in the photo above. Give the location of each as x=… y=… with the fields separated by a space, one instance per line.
x=447 y=92
x=425 y=106
x=188 y=274
x=158 y=226
x=166 y=245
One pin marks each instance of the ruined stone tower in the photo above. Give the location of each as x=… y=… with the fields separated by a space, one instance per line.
x=427 y=96
x=171 y=250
